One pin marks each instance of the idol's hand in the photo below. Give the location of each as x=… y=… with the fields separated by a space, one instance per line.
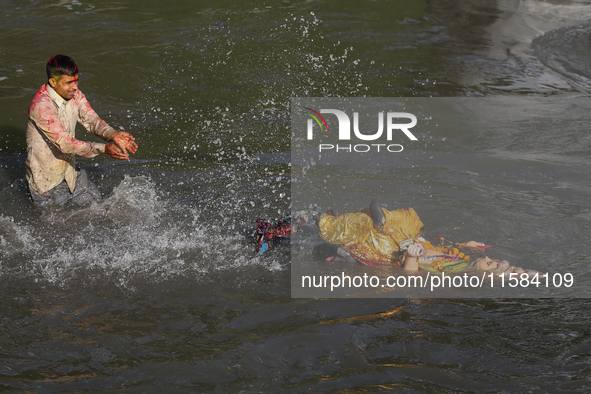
x=477 y=245
x=415 y=250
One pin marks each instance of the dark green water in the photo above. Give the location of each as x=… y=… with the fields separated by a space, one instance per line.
x=156 y=289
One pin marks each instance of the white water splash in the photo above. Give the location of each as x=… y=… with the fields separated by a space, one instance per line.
x=130 y=236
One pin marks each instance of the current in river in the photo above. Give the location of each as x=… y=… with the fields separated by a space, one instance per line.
x=157 y=288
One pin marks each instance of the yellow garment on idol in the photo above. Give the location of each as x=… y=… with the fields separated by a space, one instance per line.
x=357 y=234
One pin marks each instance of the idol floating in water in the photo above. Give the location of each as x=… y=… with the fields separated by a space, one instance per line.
x=377 y=236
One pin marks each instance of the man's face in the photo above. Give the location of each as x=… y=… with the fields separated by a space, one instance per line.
x=64 y=85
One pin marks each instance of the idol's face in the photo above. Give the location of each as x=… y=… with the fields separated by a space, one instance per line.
x=487 y=264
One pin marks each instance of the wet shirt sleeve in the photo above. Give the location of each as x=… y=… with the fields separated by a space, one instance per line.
x=45 y=117
x=91 y=121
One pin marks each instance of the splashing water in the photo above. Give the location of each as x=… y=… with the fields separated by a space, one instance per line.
x=133 y=235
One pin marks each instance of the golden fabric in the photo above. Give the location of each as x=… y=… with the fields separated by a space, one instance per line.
x=356 y=233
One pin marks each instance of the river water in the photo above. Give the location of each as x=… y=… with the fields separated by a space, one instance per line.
x=157 y=288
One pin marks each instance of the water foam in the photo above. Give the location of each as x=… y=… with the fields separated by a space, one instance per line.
x=133 y=236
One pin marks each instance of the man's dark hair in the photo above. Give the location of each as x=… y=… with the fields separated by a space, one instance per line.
x=61 y=65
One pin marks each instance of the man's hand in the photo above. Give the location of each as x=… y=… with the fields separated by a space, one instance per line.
x=125 y=142
x=116 y=153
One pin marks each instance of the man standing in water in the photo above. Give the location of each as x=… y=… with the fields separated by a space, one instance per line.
x=51 y=146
